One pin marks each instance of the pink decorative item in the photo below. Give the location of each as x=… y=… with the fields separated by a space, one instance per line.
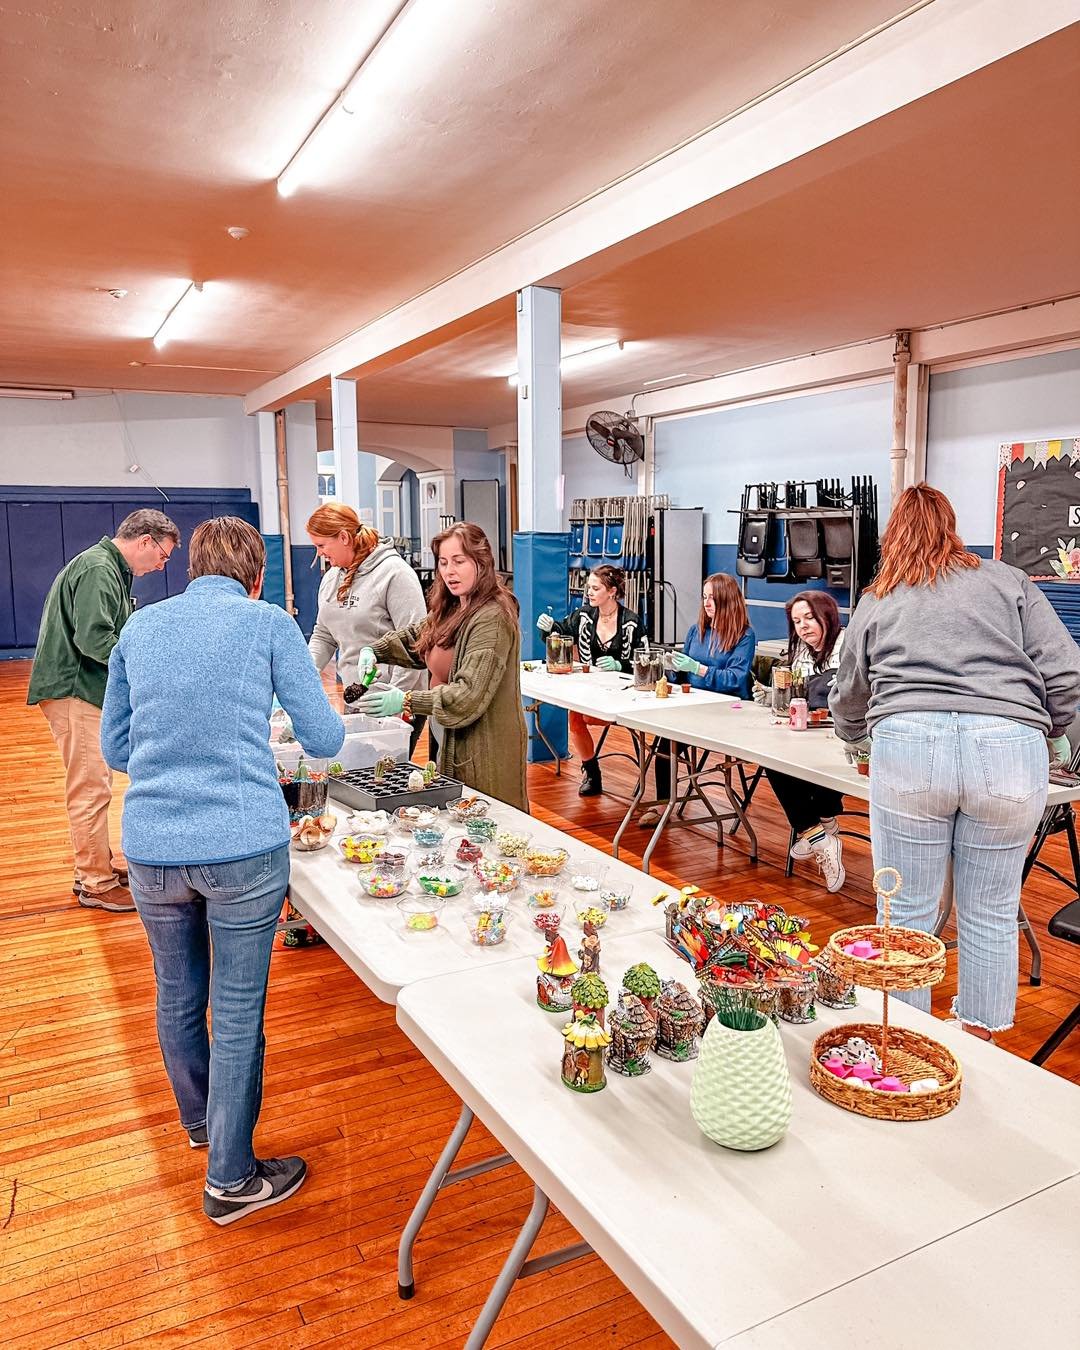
x=837 y=1067
x=863 y=950
x=890 y=1084
x=866 y=1072
x=798 y=714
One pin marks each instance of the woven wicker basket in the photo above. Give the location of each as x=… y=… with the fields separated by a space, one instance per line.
x=909 y=959
x=908 y=1056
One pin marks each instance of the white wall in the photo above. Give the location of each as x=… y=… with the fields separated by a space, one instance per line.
x=971 y=412
x=588 y=474
x=181 y=440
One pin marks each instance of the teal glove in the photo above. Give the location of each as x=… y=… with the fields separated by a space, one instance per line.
x=545 y=623
x=381 y=702
x=687 y=663
x=365 y=663
x=609 y=663
x=1060 y=749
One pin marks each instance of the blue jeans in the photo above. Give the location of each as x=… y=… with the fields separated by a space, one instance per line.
x=211 y=932
x=972 y=789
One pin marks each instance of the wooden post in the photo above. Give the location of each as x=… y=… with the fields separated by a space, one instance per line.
x=281 y=456
x=898 y=455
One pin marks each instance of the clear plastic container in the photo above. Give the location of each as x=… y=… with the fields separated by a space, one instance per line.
x=420 y=913
x=648 y=668
x=560 y=654
x=385 y=880
x=512 y=843
x=498 y=876
x=587 y=877
x=543 y=861
x=440 y=883
x=615 y=896
x=487 y=925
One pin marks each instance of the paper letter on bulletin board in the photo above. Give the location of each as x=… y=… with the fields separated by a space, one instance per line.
x=1039 y=508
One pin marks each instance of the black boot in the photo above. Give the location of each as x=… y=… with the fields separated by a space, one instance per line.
x=592 y=785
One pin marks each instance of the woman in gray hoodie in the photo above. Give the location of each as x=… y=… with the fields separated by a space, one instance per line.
x=960 y=672
x=369 y=590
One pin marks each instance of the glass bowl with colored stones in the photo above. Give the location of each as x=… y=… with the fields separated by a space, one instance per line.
x=512 y=843
x=442 y=883
x=468 y=808
x=486 y=924
x=497 y=876
x=615 y=896
x=385 y=880
x=420 y=913
x=481 y=830
x=541 y=861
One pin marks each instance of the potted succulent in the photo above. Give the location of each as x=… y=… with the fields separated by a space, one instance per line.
x=741 y=1093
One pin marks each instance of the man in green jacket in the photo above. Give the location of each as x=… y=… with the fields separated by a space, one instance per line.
x=87 y=605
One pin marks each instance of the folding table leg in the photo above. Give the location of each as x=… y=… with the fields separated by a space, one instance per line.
x=534 y=708
x=516 y=1267
x=661 y=824
x=645 y=757
x=440 y=1176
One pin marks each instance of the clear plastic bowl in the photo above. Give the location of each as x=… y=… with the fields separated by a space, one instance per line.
x=497 y=876
x=615 y=896
x=512 y=843
x=440 y=883
x=487 y=927
x=385 y=883
x=420 y=913
x=545 y=862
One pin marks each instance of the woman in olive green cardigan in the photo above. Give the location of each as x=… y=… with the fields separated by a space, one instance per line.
x=470 y=644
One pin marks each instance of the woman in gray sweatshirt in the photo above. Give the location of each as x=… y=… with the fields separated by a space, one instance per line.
x=369 y=590
x=959 y=672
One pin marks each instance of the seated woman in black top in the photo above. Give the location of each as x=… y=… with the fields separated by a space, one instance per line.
x=606 y=633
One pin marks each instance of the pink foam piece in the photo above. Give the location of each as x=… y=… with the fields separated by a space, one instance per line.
x=736 y=704
x=890 y=1084
x=866 y=1072
x=862 y=949
x=837 y=1067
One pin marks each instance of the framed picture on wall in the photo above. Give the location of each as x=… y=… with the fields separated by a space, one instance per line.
x=1038 y=517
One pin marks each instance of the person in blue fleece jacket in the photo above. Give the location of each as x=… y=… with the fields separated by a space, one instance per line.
x=206 y=832
x=718 y=655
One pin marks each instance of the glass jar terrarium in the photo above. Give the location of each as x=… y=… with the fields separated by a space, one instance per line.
x=648 y=668
x=305 y=788
x=781 y=689
x=560 y=654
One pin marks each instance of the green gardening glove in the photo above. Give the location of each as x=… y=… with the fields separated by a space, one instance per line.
x=381 y=702
x=609 y=663
x=1060 y=749
x=687 y=663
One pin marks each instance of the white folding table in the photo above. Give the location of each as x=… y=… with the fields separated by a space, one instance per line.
x=715 y=1242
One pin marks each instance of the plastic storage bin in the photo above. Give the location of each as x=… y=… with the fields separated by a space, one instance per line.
x=367 y=739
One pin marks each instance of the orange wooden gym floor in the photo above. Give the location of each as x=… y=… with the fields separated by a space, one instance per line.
x=102 y=1238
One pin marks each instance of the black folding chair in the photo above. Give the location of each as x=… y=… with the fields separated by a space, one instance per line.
x=1065 y=924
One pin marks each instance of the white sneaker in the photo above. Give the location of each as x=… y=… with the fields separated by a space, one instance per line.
x=801 y=850
x=829 y=854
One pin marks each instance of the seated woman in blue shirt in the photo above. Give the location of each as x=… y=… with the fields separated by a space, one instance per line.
x=206 y=834
x=717 y=655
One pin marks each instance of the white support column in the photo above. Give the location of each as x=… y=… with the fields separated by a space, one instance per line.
x=539 y=456
x=266 y=474
x=918 y=406
x=899 y=453
x=346 y=442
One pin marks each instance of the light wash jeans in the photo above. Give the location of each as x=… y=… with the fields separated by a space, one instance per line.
x=211 y=932
x=973 y=789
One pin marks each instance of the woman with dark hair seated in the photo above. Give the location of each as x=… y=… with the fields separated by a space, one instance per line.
x=815 y=641
x=606 y=634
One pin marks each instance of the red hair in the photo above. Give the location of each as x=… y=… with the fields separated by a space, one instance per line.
x=332 y=519
x=731 y=620
x=445 y=614
x=920 y=542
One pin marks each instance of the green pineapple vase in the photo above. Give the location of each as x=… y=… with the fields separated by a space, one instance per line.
x=741 y=1093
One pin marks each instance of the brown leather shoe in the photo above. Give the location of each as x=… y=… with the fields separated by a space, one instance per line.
x=117 y=900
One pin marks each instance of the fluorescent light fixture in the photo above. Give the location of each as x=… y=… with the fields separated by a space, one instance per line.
x=170 y=324
x=317 y=146
x=666 y=379
x=10 y=391
x=590 y=356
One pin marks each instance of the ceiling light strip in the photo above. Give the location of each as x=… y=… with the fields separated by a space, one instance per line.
x=586 y=357
x=291 y=176
x=193 y=288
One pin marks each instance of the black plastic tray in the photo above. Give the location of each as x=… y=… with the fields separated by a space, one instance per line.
x=358 y=789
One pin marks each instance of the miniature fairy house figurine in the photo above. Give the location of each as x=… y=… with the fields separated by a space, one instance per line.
x=679 y=1021
x=583 y=1054
x=557 y=970
x=633 y=1033
x=589 y=996
x=643 y=981
x=589 y=951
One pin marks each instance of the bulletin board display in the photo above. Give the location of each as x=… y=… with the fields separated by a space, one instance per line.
x=1038 y=517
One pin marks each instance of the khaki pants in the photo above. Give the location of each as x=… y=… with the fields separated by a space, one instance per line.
x=76 y=728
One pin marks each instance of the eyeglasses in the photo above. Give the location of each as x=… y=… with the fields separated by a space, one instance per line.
x=164 y=556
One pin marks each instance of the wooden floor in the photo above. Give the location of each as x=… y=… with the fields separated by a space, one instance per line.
x=102 y=1238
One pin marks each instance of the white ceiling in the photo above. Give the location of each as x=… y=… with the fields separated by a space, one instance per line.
x=131 y=137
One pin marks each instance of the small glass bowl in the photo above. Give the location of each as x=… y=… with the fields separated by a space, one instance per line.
x=440 y=883
x=420 y=913
x=487 y=926
x=547 y=922
x=615 y=896
x=384 y=882
x=481 y=831
x=587 y=878
x=429 y=836
x=407 y=818
x=512 y=843
x=311 y=833
x=498 y=876
x=474 y=854
x=545 y=862
x=428 y=859
x=468 y=808
x=361 y=849
x=591 y=914
x=369 y=823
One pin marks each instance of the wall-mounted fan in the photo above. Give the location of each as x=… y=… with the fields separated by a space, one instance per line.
x=616 y=438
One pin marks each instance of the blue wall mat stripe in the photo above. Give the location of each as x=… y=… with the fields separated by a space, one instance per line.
x=541 y=578
x=305 y=586
x=274 y=584
x=41 y=529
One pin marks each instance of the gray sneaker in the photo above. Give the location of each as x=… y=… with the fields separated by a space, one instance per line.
x=275 y=1180
x=198 y=1137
